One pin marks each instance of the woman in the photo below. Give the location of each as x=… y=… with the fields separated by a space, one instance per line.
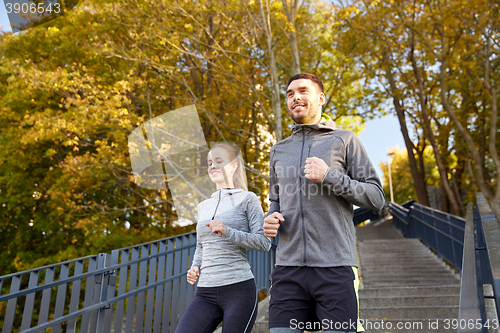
x=229 y=222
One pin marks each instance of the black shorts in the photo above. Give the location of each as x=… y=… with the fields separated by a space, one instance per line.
x=313 y=298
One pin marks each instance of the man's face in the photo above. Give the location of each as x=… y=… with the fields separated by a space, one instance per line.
x=304 y=101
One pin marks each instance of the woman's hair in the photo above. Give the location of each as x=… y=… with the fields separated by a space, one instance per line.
x=239 y=176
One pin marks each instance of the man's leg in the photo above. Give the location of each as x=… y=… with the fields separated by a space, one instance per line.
x=335 y=296
x=290 y=303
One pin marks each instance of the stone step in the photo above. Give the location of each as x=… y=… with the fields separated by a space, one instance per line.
x=388 y=271
x=395 y=241
x=407 y=265
x=398 y=251
x=438 y=290
x=413 y=282
x=399 y=248
x=410 y=275
x=395 y=258
x=396 y=247
x=407 y=301
x=413 y=312
x=404 y=259
x=399 y=261
x=260 y=327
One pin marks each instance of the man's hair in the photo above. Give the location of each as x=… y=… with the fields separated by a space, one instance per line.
x=307 y=76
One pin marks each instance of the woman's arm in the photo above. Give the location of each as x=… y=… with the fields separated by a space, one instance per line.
x=198 y=254
x=255 y=239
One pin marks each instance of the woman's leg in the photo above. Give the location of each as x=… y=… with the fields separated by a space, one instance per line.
x=203 y=315
x=239 y=303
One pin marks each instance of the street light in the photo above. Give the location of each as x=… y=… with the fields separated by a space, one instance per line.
x=390 y=177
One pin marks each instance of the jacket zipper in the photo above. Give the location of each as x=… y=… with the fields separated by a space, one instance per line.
x=218 y=202
x=301 y=193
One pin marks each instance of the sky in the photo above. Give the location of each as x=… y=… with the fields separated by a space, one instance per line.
x=4 y=19
x=378 y=135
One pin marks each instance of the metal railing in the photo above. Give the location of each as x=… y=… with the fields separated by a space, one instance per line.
x=481 y=267
x=442 y=232
x=471 y=245
x=140 y=288
x=363 y=214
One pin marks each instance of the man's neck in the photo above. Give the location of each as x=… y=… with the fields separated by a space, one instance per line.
x=315 y=120
x=322 y=117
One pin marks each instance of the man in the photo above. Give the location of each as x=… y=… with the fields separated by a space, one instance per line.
x=316 y=175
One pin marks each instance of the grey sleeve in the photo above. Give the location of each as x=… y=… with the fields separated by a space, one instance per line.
x=198 y=253
x=255 y=239
x=361 y=185
x=273 y=188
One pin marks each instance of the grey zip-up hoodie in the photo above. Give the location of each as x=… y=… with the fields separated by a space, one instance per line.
x=318 y=230
x=222 y=259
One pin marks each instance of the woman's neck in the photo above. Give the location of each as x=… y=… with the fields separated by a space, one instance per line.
x=224 y=186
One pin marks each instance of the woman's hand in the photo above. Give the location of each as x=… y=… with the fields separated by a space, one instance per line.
x=217 y=227
x=192 y=275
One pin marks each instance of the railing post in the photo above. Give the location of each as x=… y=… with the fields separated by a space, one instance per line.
x=103 y=282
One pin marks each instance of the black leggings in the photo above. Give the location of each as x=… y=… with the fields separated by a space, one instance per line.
x=235 y=305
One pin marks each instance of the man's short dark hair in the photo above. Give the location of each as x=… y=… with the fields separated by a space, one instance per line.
x=307 y=76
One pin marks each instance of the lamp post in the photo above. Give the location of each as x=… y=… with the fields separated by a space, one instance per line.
x=390 y=176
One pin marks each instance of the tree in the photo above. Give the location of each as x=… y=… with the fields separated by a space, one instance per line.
x=68 y=105
x=403 y=187
x=430 y=58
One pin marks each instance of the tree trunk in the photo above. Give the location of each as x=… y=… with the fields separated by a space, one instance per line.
x=430 y=135
x=291 y=13
x=274 y=72
x=487 y=192
x=495 y=201
x=418 y=177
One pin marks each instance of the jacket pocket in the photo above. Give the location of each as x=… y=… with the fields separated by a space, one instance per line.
x=290 y=230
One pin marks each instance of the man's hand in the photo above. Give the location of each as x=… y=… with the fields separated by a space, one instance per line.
x=217 y=227
x=272 y=224
x=315 y=169
x=193 y=274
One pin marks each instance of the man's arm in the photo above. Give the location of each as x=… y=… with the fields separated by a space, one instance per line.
x=273 y=217
x=273 y=188
x=361 y=185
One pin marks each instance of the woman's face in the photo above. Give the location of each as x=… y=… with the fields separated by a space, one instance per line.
x=220 y=167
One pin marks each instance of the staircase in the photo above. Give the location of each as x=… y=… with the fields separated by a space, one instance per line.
x=404 y=286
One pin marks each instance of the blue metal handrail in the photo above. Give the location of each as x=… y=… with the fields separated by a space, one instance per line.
x=442 y=232
x=471 y=309
x=136 y=288
x=481 y=262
